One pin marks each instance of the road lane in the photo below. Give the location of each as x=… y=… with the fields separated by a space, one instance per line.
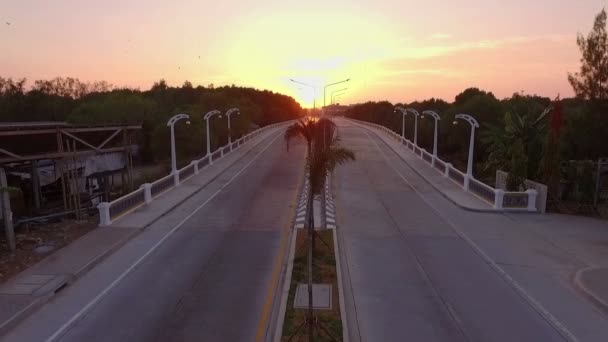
x=411 y=276
x=210 y=279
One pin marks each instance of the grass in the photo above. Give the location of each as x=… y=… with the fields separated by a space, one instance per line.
x=324 y=271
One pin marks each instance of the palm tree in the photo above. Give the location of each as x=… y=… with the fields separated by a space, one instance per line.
x=324 y=154
x=518 y=140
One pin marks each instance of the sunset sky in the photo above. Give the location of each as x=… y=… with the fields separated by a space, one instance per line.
x=398 y=50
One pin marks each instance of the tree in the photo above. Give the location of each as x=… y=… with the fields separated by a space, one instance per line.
x=591 y=82
x=470 y=93
x=518 y=139
x=324 y=154
x=519 y=162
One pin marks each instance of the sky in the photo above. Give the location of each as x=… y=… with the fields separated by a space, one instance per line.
x=396 y=50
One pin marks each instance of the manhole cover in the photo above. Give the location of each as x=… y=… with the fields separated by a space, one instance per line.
x=321 y=297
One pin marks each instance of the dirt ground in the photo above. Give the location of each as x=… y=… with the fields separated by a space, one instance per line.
x=37 y=242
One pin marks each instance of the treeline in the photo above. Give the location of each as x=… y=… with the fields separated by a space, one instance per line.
x=100 y=103
x=513 y=132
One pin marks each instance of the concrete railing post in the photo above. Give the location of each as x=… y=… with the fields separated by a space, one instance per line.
x=147 y=192
x=104 y=214
x=499 y=196
x=195 y=165
x=176 y=178
x=221 y=152
x=447 y=169
x=532 y=199
x=467 y=179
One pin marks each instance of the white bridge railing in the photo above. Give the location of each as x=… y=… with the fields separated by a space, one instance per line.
x=111 y=211
x=498 y=198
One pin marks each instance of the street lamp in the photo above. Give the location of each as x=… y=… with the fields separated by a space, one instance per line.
x=334 y=97
x=334 y=92
x=207 y=117
x=228 y=113
x=329 y=85
x=314 y=91
x=403 y=112
x=416 y=115
x=474 y=124
x=171 y=124
x=435 y=116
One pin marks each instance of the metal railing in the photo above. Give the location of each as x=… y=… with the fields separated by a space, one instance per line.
x=456 y=175
x=161 y=185
x=501 y=200
x=186 y=172
x=480 y=189
x=427 y=157
x=515 y=200
x=202 y=163
x=126 y=203
x=110 y=211
x=440 y=165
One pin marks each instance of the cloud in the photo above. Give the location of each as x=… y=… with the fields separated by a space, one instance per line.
x=440 y=36
x=436 y=50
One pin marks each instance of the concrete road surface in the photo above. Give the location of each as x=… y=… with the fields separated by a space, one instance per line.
x=210 y=277
x=418 y=268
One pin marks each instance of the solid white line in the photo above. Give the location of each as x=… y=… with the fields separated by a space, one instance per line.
x=552 y=320
x=97 y=298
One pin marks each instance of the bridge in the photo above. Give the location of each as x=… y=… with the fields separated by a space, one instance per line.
x=425 y=253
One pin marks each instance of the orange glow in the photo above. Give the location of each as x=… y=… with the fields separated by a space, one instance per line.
x=398 y=50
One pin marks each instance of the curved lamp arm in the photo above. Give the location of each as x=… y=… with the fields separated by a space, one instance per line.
x=232 y=111
x=401 y=109
x=432 y=114
x=176 y=118
x=413 y=111
x=466 y=117
x=211 y=113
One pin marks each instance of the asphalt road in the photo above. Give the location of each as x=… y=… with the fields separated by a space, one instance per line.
x=415 y=267
x=409 y=275
x=213 y=279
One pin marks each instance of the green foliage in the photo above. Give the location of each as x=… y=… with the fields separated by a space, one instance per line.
x=586 y=182
x=324 y=150
x=591 y=82
x=114 y=107
x=99 y=103
x=518 y=167
x=524 y=127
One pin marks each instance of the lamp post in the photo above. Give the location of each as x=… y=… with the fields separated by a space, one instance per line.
x=171 y=124
x=331 y=97
x=207 y=117
x=228 y=113
x=403 y=112
x=329 y=85
x=416 y=115
x=474 y=124
x=334 y=99
x=435 y=116
x=314 y=91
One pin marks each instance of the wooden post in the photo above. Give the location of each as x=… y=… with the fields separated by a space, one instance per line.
x=35 y=180
x=76 y=182
x=7 y=214
x=61 y=164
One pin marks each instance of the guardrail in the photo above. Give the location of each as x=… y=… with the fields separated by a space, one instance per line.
x=110 y=211
x=499 y=199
